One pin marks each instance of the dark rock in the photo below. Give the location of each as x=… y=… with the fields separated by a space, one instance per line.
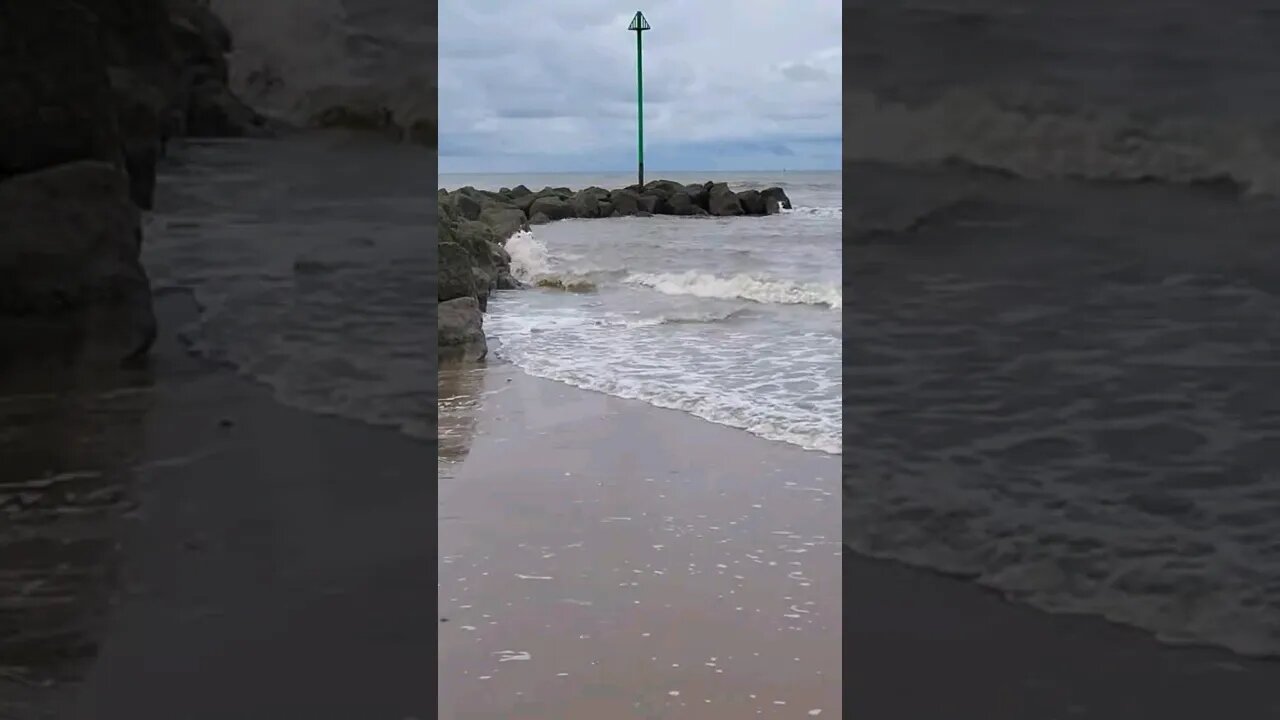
x=606 y=209
x=454 y=270
x=70 y=239
x=722 y=201
x=699 y=194
x=586 y=203
x=648 y=204
x=663 y=188
x=505 y=221
x=520 y=191
x=213 y=111
x=553 y=207
x=680 y=203
x=141 y=110
x=751 y=201
x=539 y=218
x=468 y=206
x=625 y=202
x=56 y=102
x=777 y=194
x=460 y=329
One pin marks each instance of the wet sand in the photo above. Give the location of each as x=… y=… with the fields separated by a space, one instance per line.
x=603 y=558
x=277 y=565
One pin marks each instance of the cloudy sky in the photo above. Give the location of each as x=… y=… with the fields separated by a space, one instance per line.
x=551 y=85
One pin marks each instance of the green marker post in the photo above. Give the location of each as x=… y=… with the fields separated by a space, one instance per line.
x=639 y=25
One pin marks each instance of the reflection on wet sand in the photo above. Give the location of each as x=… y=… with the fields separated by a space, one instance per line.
x=461 y=389
x=69 y=443
x=603 y=558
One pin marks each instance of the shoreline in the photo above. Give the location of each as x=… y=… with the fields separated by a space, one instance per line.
x=587 y=530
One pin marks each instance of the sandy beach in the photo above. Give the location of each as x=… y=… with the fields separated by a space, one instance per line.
x=600 y=557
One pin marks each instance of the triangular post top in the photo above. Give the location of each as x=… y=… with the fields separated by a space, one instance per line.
x=638 y=22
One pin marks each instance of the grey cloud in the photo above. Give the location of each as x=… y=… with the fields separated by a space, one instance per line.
x=802 y=72
x=564 y=70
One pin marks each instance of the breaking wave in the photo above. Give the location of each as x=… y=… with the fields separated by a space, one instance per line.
x=745 y=287
x=1038 y=139
x=310 y=63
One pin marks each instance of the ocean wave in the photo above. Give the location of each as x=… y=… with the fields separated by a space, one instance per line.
x=820 y=212
x=689 y=318
x=530 y=258
x=305 y=62
x=756 y=288
x=1037 y=138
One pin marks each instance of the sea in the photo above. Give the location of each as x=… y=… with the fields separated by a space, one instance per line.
x=735 y=320
x=1062 y=334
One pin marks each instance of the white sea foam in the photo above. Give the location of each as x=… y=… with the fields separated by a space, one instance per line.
x=529 y=257
x=747 y=287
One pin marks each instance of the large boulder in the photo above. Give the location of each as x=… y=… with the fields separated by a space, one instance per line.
x=586 y=203
x=625 y=201
x=680 y=203
x=663 y=188
x=56 y=102
x=141 y=112
x=776 y=195
x=505 y=221
x=699 y=194
x=648 y=203
x=454 y=272
x=70 y=239
x=214 y=111
x=752 y=202
x=460 y=329
x=552 y=206
x=723 y=201
x=468 y=205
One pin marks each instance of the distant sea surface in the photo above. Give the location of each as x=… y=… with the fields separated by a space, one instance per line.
x=1063 y=336
x=734 y=320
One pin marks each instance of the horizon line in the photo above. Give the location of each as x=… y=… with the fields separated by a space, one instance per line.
x=631 y=171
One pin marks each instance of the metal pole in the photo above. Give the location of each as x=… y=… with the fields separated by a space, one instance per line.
x=640 y=104
x=639 y=24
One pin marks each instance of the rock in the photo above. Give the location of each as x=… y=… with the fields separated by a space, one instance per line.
x=606 y=209
x=213 y=111
x=141 y=114
x=70 y=238
x=722 y=201
x=201 y=41
x=778 y=195
x=460 y=329
x=454 y=269
x=539 y=218
x=586 y=203
x=468 y=206
x=680 y=203
x=524 y=202
x=625 y=202
x=56 y=102
x=648 y=204
x=663 y=188
x=505 y=221
x=520 y=191
x=699 y=194
x=554 y=208
x=751 y=201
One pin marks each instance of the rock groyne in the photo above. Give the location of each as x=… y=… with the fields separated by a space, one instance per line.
x=474 y=226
